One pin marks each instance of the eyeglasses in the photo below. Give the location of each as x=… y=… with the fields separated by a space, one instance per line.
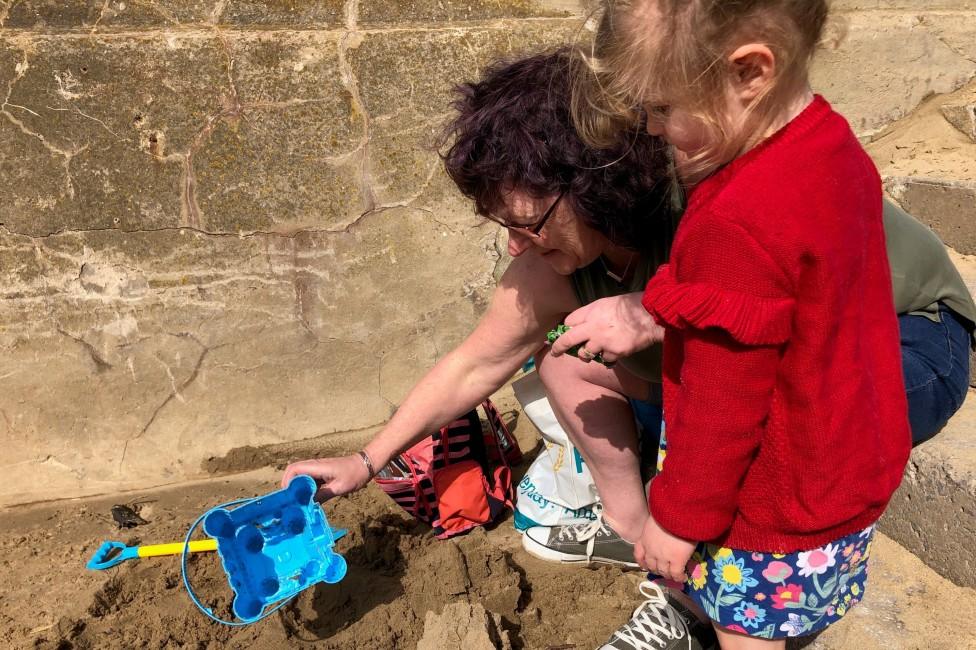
x=532 y=229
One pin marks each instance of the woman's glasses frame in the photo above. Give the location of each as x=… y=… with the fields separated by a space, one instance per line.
x=532 y=230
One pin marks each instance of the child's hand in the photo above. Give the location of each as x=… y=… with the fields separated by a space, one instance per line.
x=334 y=476
x=662 y=553
x=614 y=327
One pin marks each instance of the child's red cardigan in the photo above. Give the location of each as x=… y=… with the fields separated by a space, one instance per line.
x=785 y=407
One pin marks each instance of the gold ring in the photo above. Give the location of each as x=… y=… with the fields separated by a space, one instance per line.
x=586 y=355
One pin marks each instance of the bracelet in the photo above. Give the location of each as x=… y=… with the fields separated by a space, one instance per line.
x=367 y=461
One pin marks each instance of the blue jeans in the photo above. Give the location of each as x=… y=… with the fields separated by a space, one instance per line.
x=935 y=359
x=650 y=420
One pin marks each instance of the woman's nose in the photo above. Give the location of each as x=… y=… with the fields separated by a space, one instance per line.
x=518 y=243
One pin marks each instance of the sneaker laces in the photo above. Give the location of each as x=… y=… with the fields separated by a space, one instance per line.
x=586 y=532
x=655 y=621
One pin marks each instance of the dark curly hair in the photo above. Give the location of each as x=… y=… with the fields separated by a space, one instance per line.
x=514 y=129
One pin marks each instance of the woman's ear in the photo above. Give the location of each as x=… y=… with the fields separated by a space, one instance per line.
x=753 y=67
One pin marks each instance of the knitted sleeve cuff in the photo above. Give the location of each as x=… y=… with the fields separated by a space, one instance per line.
x=749 y=319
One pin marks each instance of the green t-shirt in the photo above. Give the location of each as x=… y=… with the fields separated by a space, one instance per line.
x=922 y=276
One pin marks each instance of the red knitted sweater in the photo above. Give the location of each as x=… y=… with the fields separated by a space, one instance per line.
x=785 y=407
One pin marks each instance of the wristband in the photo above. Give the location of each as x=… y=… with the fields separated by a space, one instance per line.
x=367 y=461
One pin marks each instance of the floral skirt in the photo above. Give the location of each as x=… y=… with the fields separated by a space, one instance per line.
x=774 y=596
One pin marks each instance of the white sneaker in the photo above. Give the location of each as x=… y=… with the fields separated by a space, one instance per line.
x=662 y=623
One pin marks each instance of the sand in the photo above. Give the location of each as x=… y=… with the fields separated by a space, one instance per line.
x=399 y=575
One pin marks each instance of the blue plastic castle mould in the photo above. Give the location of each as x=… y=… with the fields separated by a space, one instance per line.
x=275 y=546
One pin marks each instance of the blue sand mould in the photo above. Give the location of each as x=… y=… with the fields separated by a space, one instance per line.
x=272 y=547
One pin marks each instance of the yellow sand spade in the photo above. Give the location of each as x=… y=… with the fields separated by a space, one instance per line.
x=110 y=554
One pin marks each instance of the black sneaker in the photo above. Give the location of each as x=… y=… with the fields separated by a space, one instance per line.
x=585 y=543
x=662 y=623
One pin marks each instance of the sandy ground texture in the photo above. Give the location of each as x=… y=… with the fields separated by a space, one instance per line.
x=404 y=588
x=926 y=144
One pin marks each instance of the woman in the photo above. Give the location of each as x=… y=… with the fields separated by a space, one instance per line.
x=584 y=226
x=581 y=224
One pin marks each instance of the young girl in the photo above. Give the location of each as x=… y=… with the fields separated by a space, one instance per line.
x=784 y=400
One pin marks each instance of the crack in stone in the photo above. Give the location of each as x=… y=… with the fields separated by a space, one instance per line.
x=75 y=109
x=21 y=70
x=379 y=385
x=954 y=50
x=101 y=365
x=23 y=108
x=67 y=155
x=233 y=103
x=350 y=40
x=168 y=16
x=232 y=110
x=173 y=394
x=5 y=11
x=431 y=172
x=500 y=253
x=101 y=14
x=218 y=11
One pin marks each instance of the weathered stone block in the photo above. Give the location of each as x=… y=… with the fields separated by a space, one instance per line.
x=109 y=122
x=405 y=80
x=933 y=513
x=919 y=59
x=53 y=15
x=299 y=14
x=967 y=269
x=131 y=358
x=285 y=152
x=963 y=117
x=400 y=12
x=905 y=5
x=948 y=207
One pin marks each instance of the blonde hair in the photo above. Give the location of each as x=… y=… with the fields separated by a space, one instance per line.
x=644 y=50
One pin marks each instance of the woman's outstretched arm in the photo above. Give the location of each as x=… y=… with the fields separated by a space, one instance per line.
x=530 y=299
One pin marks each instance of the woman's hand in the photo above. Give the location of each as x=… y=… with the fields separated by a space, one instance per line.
x=660 y=552
x=334 y=476
x=614 y=327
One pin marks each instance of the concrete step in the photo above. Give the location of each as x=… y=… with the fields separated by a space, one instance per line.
x=933 y=514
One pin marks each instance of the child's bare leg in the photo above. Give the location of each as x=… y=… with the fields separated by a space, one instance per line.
x=735 y=641
x=590 y=402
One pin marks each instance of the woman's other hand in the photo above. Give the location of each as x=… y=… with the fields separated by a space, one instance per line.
x=614 y=327
x=662 y=553
x=334 y=476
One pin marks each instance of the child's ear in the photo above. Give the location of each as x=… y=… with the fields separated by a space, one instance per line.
x=753 y=67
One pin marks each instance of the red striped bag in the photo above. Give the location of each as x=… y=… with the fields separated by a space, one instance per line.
x=458 y=477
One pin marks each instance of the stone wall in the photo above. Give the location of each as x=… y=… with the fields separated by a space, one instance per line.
x=222 y=224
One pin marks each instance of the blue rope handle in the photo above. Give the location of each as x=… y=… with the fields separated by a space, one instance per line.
x=186 y=580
